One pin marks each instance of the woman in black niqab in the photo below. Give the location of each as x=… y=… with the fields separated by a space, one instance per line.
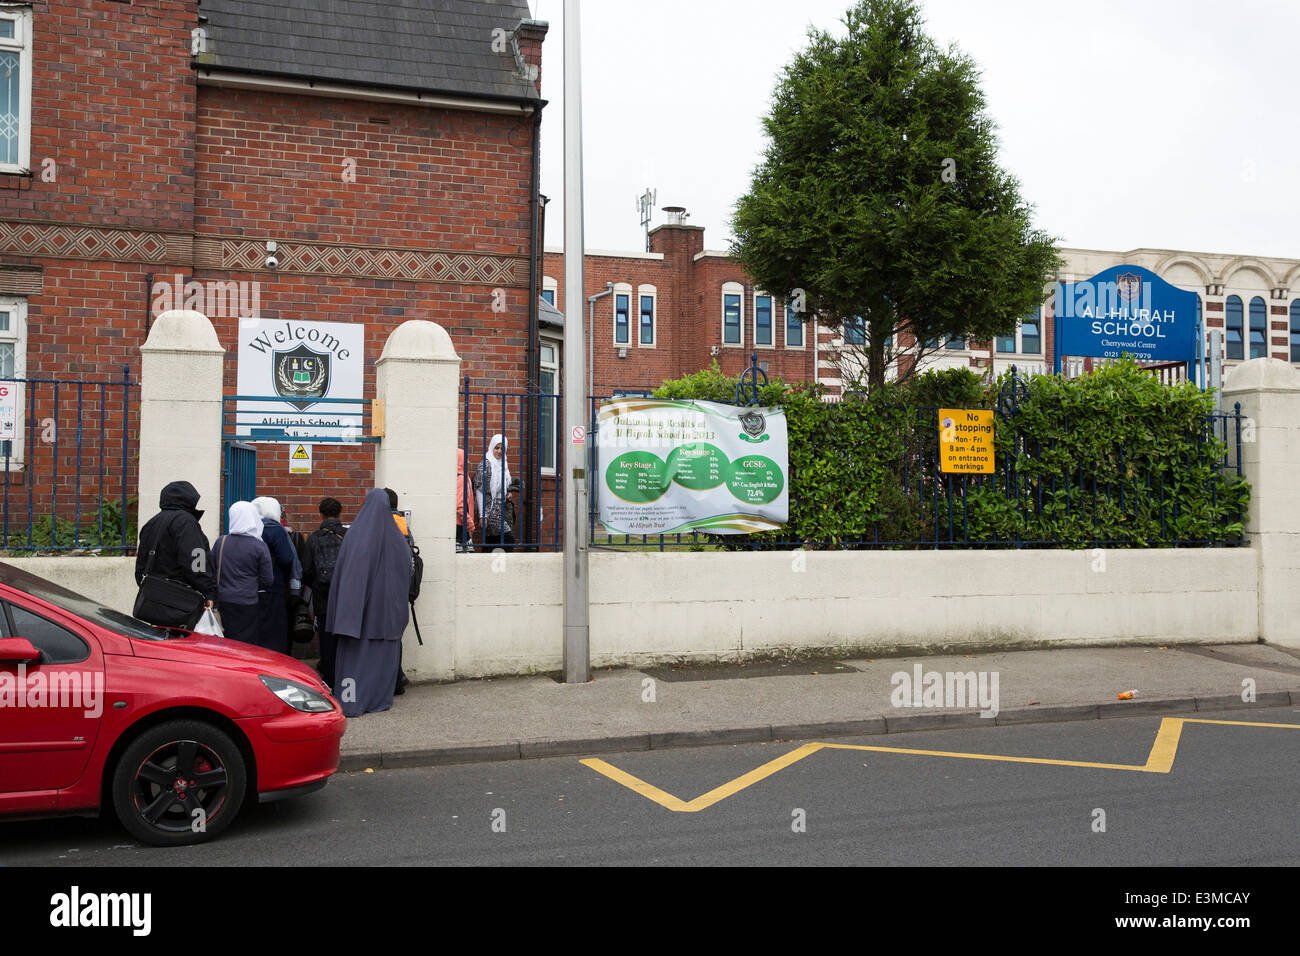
x=368 y=608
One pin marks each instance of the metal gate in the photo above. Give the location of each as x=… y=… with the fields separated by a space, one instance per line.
x=238 y=477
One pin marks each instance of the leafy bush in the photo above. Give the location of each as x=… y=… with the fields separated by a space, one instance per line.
x=1112 y=457
x=62 y=534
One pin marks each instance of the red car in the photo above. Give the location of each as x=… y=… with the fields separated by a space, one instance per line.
x=174 y=730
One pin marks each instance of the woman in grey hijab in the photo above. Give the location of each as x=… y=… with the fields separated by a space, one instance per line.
x=368 y=608
x=243 y=572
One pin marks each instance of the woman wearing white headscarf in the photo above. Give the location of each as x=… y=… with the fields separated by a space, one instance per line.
x=491 y=485
x=273 y=608
x=243 y=571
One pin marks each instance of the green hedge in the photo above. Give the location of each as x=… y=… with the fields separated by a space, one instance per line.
x=861 y=470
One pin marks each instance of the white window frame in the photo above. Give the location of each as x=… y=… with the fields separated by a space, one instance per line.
x=550 y=285
x=558 y=345
x=785 y=328
x=21 y=43
x=771 y=317
x=17 y=334
x=647 y=289
x=622 y=288
x=738 y=290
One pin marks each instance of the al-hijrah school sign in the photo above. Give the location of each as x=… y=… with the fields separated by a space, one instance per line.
x=296 y=364
x=1126 y=310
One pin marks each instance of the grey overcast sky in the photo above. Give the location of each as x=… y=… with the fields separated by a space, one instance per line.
x=1129 y=123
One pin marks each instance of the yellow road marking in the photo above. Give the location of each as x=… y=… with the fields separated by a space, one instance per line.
x=1160 y=760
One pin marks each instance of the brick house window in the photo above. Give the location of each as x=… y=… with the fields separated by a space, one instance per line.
x=622 y=314
x=1007 y=343
x=1233 y=332
x=549 y=289
x=793 y=329
x=646 y=296
x=763 y=320
x=732 y=309
x=15 y=90
x=956 y=342
x=13 y=365
x=548 y=376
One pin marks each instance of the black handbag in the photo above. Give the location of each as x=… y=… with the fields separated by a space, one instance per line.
x=164 y=602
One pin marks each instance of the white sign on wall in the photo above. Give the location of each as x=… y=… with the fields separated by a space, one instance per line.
x=299 y=458
x=8 y=411
x=297 y=364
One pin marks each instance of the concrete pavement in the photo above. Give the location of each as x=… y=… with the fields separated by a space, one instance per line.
x=653 y=708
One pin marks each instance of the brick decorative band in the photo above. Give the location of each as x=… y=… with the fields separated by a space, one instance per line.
x=73 y=241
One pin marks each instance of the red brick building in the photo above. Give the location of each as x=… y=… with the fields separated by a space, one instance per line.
x=383 y=154
x=676 y=308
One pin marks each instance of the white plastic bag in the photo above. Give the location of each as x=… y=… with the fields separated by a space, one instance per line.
x=209 y=623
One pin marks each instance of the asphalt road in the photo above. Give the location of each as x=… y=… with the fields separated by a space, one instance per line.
x=1228 y=799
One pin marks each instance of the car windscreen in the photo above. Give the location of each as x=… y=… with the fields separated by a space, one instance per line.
x=84 y=607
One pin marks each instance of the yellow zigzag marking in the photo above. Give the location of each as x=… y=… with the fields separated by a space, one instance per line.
x=1159 y=760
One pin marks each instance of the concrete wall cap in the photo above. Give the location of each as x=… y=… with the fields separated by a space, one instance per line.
x=182 y=331
x=1268 y=374
x=419 y=340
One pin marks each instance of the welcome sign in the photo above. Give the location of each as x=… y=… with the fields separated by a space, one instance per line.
x=1126 y=310
x=295 y=364
x=670 y=466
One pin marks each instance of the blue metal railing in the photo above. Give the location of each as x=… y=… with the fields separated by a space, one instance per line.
x=50 y=516
x=349 y=427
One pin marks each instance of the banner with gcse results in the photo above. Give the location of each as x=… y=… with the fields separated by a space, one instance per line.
x=673 y=466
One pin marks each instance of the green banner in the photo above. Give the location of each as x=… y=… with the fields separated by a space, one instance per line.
x=672 y=466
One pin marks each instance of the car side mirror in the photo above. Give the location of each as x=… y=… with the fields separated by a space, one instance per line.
x=17 y=650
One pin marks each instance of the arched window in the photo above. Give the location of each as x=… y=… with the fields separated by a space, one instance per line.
x=1233 y=330
x=1258 y=328
x=1295 y=331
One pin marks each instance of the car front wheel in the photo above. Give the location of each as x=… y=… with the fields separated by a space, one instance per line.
x=178 y=783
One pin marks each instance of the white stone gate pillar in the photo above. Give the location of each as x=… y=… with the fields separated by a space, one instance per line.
x=417 y=377
x=180 y=413
x=1269 y=393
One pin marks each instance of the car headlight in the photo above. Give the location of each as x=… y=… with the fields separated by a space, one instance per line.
x=297 y=696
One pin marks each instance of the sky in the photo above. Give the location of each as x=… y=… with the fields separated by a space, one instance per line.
x=1129 y=123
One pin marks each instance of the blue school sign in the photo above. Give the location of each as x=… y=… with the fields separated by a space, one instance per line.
x=1126 y=310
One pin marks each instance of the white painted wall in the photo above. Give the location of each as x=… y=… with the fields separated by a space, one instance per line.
x=650 y=608
x=108 y=580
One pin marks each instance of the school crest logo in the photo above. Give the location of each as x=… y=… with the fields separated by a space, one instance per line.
x=754 y=424
x=301 y=375
x=1130 y=286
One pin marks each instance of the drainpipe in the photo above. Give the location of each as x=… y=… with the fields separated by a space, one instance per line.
x=591 y=325
x=534 y=358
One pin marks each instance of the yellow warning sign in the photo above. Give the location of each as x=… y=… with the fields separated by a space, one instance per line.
x=300 y=459
x=966 y=441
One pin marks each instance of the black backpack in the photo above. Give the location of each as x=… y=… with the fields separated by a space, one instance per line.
x=326 y=554
x=417 y=570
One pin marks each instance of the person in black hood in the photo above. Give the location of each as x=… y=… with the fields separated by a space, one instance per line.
x=182 y=548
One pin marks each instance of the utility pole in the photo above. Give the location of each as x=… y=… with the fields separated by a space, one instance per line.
x=577 y=632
